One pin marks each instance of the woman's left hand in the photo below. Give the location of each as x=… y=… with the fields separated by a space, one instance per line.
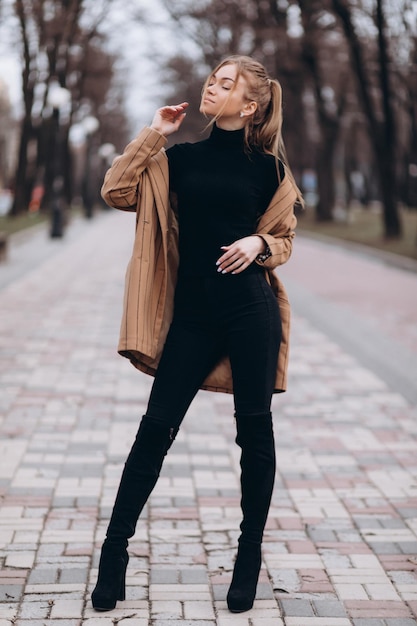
x=240 y=254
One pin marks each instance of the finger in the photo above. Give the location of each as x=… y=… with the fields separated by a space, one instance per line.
x=240 y=269
x=179 y=117
x=179 y=108
x=226 y=259
x=236 y=267
x=229 y=252
x=233 y=254
x=179 y=120
x=231 y=264
x=171 y=111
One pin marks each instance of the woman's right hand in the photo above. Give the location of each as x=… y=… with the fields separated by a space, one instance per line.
x=168 y=119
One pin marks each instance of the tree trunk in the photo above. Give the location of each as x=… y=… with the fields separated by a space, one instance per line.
x=328 y=120
x=22 y=189
x=388 y=163
x=381 y=134
x=392 y=222
x=325 y=172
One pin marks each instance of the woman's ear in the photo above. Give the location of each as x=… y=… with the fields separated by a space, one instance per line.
x=249 y=108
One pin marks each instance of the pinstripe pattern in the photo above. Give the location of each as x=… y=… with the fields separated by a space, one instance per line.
x=138 y=181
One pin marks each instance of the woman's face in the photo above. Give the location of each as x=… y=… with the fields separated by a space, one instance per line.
x=224 y=95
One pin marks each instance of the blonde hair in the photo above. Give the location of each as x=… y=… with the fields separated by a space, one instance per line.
x=263 y=129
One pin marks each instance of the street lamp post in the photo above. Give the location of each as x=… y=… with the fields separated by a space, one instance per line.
x=90 y=125
x=58 y=97
x=106 y=152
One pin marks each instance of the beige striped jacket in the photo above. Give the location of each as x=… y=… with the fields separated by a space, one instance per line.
x=138 y=181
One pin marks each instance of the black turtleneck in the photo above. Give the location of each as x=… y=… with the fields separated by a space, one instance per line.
x=221 y=190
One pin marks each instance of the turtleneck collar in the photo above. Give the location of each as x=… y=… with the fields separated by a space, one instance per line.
x=227 y=139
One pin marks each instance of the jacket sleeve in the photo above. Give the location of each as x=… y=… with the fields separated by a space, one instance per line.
x=121 y=182
x=278 y=245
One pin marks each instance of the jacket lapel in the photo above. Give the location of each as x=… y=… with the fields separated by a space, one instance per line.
x=278 y=217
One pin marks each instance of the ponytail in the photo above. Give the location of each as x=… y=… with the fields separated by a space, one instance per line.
x=264 y=129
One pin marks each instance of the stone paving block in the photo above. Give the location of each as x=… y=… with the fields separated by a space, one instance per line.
x=383 y=591
x=219 y=591
x=350 y=591
x=10 y=593
x=43 y=576
x=100 y=621
x=317 y=621
x=193 y=575
x=229 y=620
x=20 y=559
x=35 y=610
x=393 y=523
x=8 y=610
x=57 y=588
x=377 y=609
x=408 y=547
x=408 y=621
x=66 y=609
x=73 y=575
x=199 y=610
x=329 y=608
x=267 y=621
x=385 y=548
x=179 y=592
x=164 y=576
x=167 y=609
x=51 y=622
x=197 y=622
x=298 y=607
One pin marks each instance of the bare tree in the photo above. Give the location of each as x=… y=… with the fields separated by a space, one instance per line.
x=406 y=95
x=330 y=94
x=60 y=42
x=379 y=113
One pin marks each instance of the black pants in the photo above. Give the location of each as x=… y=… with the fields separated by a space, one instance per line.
x=238 y=314
x=234 y=314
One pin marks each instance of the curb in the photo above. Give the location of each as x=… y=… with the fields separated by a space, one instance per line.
x=389 y=258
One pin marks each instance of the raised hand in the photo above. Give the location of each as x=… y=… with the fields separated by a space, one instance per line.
x=168 y=119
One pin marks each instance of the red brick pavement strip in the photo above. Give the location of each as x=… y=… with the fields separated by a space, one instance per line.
x=413 y=606
x=402 y=562
x=377 y=608
x=343 y=508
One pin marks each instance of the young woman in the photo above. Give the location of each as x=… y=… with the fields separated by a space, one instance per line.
x=214 y=316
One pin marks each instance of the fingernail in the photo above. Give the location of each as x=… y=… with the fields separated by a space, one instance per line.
x=224 y=272
x=217 y=262
x=219 y=269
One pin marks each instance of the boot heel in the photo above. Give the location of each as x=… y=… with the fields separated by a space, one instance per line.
x=242 y=591
x=111 y=581
x=122 y=592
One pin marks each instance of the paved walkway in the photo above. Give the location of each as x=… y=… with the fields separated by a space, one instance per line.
x=341 y=543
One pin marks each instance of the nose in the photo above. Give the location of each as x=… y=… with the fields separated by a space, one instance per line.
x=210 y=89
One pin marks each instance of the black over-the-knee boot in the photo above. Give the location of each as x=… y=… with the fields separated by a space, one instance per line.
x=256 y=439
x=140 y=474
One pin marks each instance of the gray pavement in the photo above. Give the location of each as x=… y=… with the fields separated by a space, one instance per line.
x=341 y=542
